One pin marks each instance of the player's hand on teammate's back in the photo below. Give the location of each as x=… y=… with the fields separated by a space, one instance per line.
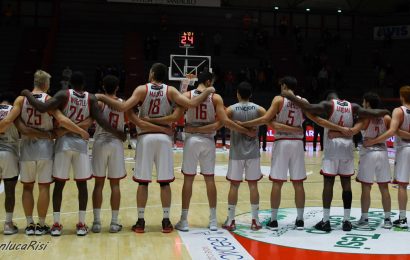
x=98 y=96
x=347 y=131
x=210 y=89
x=85 y=135
x=253 y=132
x=368 y=142
x=168 y=131
x=25 y=92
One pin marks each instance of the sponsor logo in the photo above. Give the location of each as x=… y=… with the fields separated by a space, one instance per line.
x=371 y=240
x=205 y=244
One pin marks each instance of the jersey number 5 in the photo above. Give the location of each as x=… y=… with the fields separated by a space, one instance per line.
x=291 y=118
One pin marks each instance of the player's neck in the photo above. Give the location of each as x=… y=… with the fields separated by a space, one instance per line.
x=406 y=105
x=114 y=96
x=243 y=100
x=5 y=103
x=201 y=87
x=37 y=90
x=156 y=82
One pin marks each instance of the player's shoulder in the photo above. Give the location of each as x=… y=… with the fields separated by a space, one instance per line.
x=278 y=99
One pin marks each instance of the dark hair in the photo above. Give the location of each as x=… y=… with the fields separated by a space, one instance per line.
x=7 y=96
x=330 y=94
x=405 y=93
x=373 y=99
x=77 y=79
x=289 y=81
x=160 y=72
x=204 y=76
x=110 y=84
x=244 y=90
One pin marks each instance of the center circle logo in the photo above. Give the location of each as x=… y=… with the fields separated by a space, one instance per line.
x=372 y=240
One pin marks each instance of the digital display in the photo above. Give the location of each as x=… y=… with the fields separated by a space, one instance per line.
x=187 y=39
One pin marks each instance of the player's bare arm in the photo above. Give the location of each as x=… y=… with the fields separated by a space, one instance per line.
x=206 y=129
x=51 y=104
x=13 y=115
x=327 y=124
x=68 y=124
x=186 y=102
x=366 y=113
x=85 y=124
x=96 y=114
x=147 y=126
x=285 y=128
x=267 y=117
x=165 y=120
x=357 y=127
x=137 y=96
x=316 y=109
x=394 y=126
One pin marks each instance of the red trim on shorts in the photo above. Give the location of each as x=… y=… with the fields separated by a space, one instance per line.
x=399 y=182
x=32 y=182
x=345 y=175
x=291 y=139
x=59 y=179
x=207 y=174
x=138 y=180
x=97 y=177
x=276 y=180
x=233 y=180
x=45 y=183
x=328 y=174
x=385 y=182
x=364 y=182
x=300 y=180
x=85 y=179
x=188 y=174
x=166 y=181
x=140 y=134
x=120 y=178
x=255 y=180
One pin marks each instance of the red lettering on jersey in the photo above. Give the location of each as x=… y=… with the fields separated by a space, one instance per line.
x=343 y=109
x=291 y=118
x=155 y=94
x=78 y=102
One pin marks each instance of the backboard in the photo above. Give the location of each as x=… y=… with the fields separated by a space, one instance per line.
x=181 y=65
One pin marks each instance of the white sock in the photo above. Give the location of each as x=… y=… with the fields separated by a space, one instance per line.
x=346 y=214
x=402 y=214
x=231 y=212
x=42 y=221
x=326 y=214
x=165 y=212
x=184 y=214
x=300 y=212
x=29 y=220
x=255 y=211
x=9 y=217
x=56 y=217
x=365 y=216
x=141 y=212
x=212 y=213
x=114 y=216
x=81 y=216
x=387 y=214
x=274 y=214
x=97 y=214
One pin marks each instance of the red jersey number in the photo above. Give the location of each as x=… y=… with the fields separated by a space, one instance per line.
x=114 y=119
x=154 y=107
x=291 y=118
x=78 y=115
x=201 y=111
x=35 y=115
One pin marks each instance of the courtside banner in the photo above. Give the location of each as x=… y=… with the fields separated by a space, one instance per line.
x=397 y=32
x=205 y=244
x=209 y=3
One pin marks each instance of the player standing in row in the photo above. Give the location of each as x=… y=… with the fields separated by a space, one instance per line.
x=36 y=157
x=338 y=152
x=374 y=163
x=201 y=124
x=155 y=100
x=399 y=125
x=71 y=149
x=287 y=150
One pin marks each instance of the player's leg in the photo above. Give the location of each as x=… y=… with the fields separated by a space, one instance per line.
x=300 y=203
x=97 y=202
x=9 y=202
x=365 y=205
x=44 y=174
x=402 y=198
x=252 y=175
x=232 y=201
x=212 y=198
x=115 y=205
x=368 y=167
x=401 y=177
x=28 y=174
x=99 y=164
x=207 y=158
x=347 y=202
x=275 y=198
x=386 y=202
x=329 y=170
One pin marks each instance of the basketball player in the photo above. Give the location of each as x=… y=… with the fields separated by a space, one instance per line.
x=108 y=155
x=200 y=146
x=155 y=100
x=338 y=153
x=374 y=163
x=400 y=125
x=287 y=150
x=71 y=149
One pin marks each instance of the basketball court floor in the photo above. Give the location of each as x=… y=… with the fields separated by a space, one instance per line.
x=199 y=243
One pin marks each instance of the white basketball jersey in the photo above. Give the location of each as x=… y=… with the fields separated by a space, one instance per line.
x=33 y=118
x=8 y=139
x=204 y=114
x=77 y=108
x=339 y=148
x=116 y=119
x=376 y=127
x=291 y=115
x=405 y=126
x=156 y=103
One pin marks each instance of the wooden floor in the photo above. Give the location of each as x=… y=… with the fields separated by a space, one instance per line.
x=153 y=244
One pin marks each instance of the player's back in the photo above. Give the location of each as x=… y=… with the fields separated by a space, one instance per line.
x=116 y=119
x=375 y=128
x=203 y=114
x=405 y=126
x=36 y=149
x=8 y=139
x=339 y=148
x=242 y=146
x=156 y=102
x=291 y=115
